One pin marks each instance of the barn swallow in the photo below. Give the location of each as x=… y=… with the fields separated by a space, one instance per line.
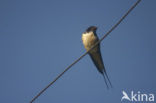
x=89 y=39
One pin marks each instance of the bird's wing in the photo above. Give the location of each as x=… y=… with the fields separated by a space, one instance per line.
x=124 y=93
x=96 y=57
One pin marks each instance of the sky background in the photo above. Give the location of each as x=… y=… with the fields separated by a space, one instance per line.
x=40 y=38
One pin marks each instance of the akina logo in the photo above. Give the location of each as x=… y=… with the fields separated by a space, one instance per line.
x=137 y=96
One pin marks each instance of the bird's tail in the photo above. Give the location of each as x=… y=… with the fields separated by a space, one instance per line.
x=106 y=78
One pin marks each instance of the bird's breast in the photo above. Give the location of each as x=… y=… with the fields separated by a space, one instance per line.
x=88 y=39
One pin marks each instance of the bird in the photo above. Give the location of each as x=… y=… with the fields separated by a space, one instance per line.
x=89 y=39
x=125 y=96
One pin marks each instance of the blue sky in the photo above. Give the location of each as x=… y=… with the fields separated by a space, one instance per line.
x=40 y=38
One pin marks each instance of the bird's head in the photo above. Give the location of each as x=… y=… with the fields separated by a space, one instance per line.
x=91 y=28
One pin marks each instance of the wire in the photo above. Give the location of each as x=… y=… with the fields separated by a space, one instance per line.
x=123 y=17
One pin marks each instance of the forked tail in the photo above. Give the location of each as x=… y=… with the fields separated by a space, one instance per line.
x=106 y=78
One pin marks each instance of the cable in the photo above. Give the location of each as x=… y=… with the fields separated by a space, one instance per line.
x=123 y=17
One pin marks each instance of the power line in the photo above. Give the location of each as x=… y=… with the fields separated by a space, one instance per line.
x=123 y=17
